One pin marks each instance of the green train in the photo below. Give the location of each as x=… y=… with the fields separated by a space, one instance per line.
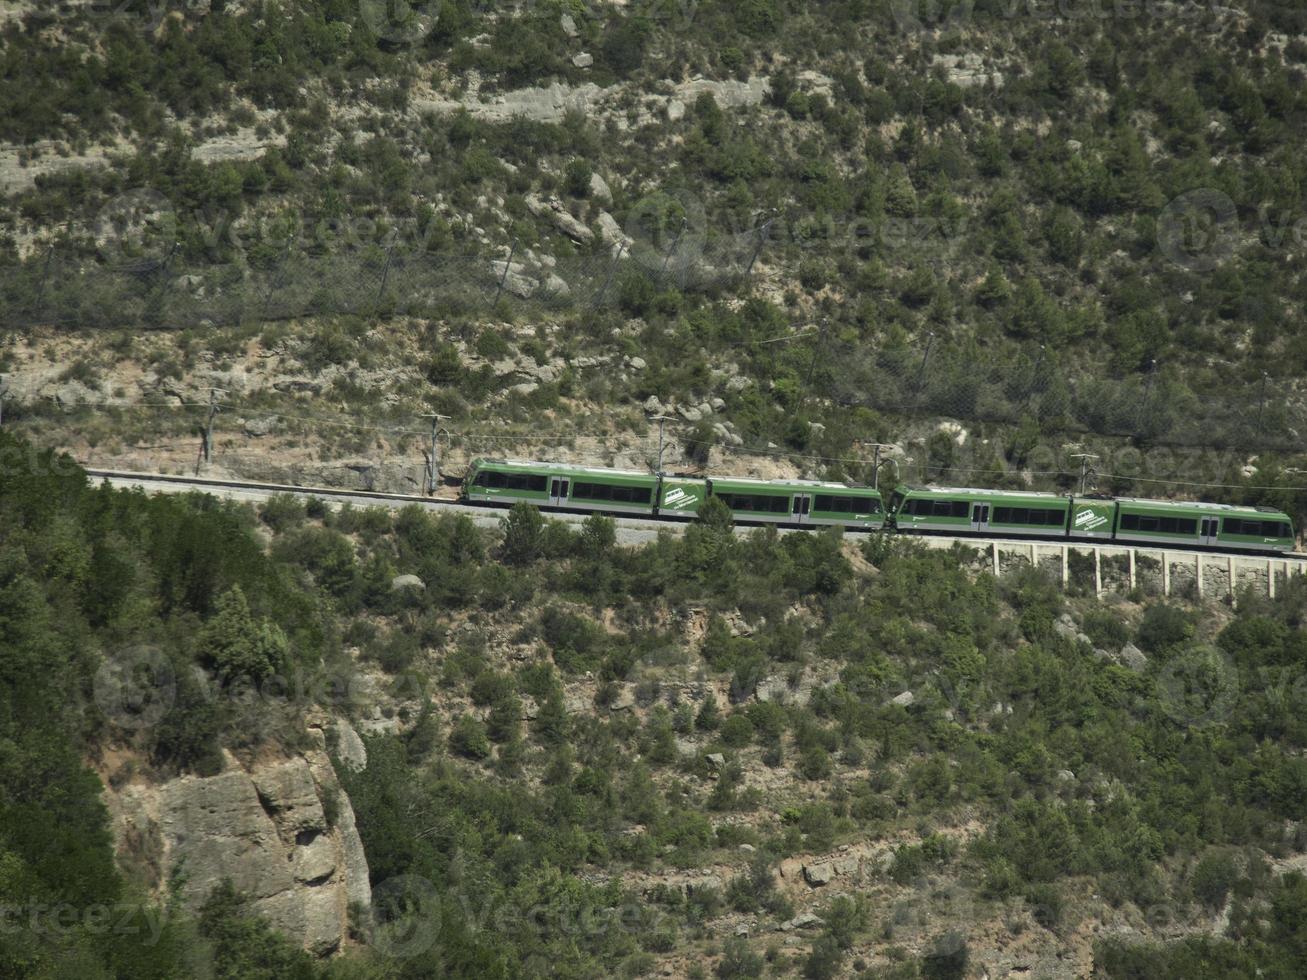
x=915 y=510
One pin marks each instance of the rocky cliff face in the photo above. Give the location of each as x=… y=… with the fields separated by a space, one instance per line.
x=283 y=831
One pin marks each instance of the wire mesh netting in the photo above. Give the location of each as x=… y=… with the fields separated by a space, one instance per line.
x=935 y=377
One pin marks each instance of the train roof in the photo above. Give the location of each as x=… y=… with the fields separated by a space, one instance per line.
x=562 y=468
x=1191 y=504
x=1024 y=494
x=800 y=484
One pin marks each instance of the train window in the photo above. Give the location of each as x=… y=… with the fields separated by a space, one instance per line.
x=946 y=508
x=510 y=481
x=1262 y=529
x=609 y=491
x=760 y=503
x=524 y=481
x=846 y=505
x=1038 y=516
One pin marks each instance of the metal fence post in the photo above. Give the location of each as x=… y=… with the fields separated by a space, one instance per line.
x=612 y=270
x=508 y=264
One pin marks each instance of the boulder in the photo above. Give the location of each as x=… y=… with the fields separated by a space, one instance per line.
x=599 y=189
x=805 y=920
x=716 y=760
x=610 y=232
x=554 y=212
x=583 y=59
x=259 y=427
x=817 y=875
x=653 y=406
x=349 y=747
x=1132 y=657
x=903 y=700
x=406 y=582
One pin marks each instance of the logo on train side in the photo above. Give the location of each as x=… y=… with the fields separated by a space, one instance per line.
x=678 y=499
x=1088 y=520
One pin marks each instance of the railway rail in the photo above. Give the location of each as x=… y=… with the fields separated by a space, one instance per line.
x=1211 y=574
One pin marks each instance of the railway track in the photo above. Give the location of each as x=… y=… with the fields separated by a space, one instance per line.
x=630 y=529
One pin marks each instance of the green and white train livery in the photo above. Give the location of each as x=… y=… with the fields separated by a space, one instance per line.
x=800 y=503
x=926 y=510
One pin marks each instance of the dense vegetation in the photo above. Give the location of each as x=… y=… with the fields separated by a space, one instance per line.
x=971 y=217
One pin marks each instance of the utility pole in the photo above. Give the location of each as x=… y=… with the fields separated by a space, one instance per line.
x=432 y=474
x=617 y=257
x=661 y=419
x=762 y=237
x=206 y=439
x=508 y=264
x=668 y=257
x=921 y=372
x=1085 y=471
x=876 y=447
x=819 y=345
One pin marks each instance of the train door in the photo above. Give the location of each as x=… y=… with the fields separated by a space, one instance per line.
x=800 y=506
x=979 y=517
x=1207 y=532
x=558 y=491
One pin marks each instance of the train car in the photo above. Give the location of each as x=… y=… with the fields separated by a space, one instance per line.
x=563 y=487
x=803 y=503
x=1224 y=526
x=962 y=510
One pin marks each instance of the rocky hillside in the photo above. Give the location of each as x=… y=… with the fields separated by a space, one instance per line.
x=355 y=743
x=801 y=229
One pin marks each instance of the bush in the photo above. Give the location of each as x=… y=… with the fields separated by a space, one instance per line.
x=1163 y=626
x=737 y=731
x=523 y=534
x=468 y=738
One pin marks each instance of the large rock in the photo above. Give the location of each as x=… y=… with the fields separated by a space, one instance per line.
x=266 y=830
x=610 y=232
x=553 y=211
x=817 y=875
x=349 y=747
x=215 y=828
x=1132 y=657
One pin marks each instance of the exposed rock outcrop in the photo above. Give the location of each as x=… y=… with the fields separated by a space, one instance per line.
x=266 y=828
